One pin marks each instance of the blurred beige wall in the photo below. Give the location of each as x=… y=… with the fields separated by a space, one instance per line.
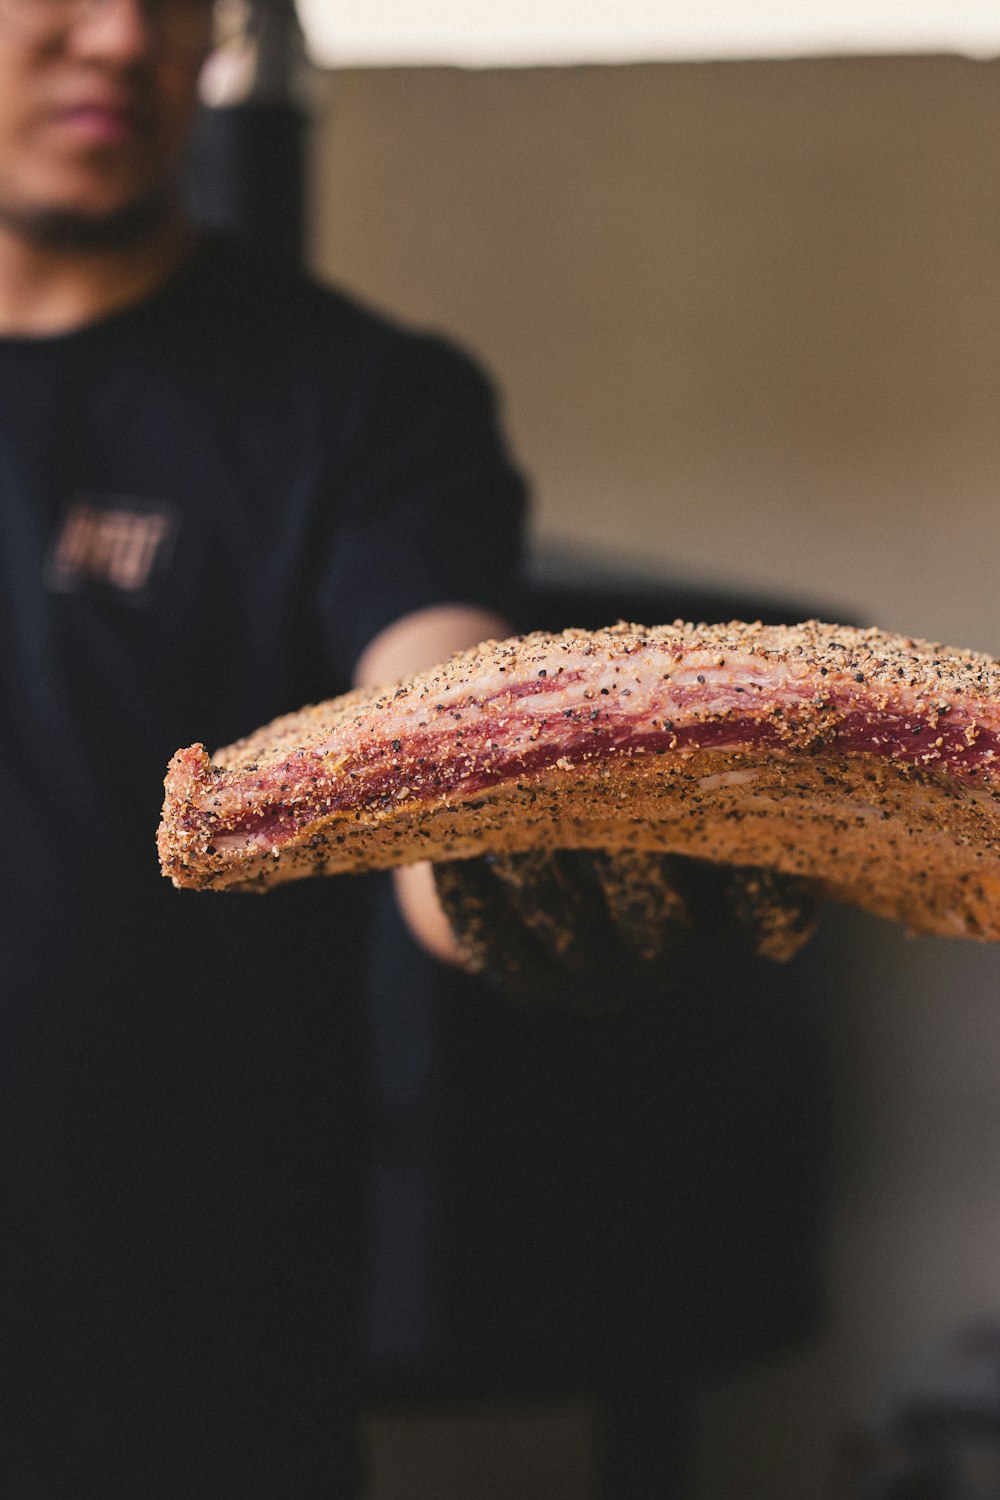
x=746 y=319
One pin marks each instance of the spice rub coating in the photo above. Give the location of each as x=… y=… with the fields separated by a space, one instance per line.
x=865 y=761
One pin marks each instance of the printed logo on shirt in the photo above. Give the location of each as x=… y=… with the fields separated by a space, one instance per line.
x=118 y=544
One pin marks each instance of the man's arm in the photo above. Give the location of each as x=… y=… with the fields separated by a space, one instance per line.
x=409 y=645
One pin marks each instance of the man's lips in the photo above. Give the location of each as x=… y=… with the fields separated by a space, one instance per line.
x=96 y=122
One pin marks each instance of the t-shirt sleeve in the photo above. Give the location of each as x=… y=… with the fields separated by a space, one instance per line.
x=429 y=508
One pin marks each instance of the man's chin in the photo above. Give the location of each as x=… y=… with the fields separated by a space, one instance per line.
x=71 y=228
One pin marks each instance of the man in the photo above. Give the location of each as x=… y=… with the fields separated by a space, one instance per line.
x=223 y=492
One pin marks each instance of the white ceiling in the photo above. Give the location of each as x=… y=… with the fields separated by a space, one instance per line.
x=526 y=33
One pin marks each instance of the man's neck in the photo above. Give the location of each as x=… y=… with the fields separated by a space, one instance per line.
x=51 y=288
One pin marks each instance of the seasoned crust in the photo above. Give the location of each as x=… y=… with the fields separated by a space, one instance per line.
x=861 y=760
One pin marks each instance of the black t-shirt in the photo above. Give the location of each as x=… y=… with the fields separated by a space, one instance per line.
x=209 y=503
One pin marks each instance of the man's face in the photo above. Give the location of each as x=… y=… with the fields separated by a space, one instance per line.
x=96 y=101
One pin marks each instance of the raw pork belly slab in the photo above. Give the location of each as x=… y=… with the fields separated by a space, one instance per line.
x=865 y=761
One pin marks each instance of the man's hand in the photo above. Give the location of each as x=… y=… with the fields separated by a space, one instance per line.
x=586 y=927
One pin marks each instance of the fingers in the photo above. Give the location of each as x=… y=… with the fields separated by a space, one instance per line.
x=573 y=927
x=644 y=900
x=485 y=900
x=779 y=913
x=585 y=928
